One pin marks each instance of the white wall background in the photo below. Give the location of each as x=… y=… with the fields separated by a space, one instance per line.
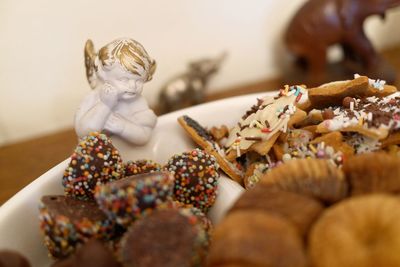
x=42 y=76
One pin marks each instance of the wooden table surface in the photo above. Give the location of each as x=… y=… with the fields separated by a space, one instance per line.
x=23 y=162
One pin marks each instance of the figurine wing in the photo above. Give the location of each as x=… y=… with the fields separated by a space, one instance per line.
x=90 y=56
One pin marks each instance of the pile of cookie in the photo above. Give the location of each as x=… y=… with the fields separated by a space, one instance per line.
x=334 y=121
x=128 y=210
x=308 y=212
x=322 y=169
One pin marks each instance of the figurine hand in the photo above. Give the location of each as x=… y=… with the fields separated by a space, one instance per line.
x=114 y=124
x=109 y=95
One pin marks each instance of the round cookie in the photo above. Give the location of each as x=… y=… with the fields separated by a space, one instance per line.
x=196 y=176
x=168 y=238
x=300 y=210
x=67 y=222
x=373 y=173
x=94 y=161
x=140 y=166
x=316 y=178
x=130 y=198
x=360 y=231
x=256 y=238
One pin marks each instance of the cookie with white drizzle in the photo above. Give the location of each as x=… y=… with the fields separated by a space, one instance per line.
x=265 y=120
x=374 y=117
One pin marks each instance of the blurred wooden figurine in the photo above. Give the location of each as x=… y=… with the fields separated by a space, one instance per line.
x=117 y=74
x=319 y=24
x=188 y=88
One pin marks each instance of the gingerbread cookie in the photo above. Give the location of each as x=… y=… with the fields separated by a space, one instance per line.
x=260 y=127
x=333 y=93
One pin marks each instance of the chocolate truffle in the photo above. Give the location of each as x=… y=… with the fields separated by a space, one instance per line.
x=67 y=222
x=130 y=198
x=91 y=254
x=94 y=161
x=141 y=166
x=9 y=258
x=167 y=238
x=196 y=176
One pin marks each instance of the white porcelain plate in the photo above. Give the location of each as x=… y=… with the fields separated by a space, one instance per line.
x=19 y=224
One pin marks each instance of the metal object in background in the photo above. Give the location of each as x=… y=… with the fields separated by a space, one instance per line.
x=188 y=88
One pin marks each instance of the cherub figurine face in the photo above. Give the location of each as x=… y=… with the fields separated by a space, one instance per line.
x=128 y=85
x=124 y=64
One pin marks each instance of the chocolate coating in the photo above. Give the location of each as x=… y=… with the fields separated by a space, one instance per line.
x=130 y=198
x=10 y=258
x=141 y=166
x=94 y=161
x=327 y=114
x=346 y=101
x=67 y=222
x=196 y=176
x=167 y=238
x=91 y=254
x=198 y=128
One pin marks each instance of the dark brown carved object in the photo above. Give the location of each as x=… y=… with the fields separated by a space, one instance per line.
x=320 y=24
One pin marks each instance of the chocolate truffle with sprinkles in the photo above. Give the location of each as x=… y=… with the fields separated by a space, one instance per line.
x=67 y=222
x=140 y=166
x=132 y=197
x=95 y=161
x=196 y=175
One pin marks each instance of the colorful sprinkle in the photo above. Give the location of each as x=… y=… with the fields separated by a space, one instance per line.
x=130 y=198
x=94 y=161
x=196 y=176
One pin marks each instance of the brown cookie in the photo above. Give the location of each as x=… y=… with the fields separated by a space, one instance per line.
x=386 y=90
x=335 y=140
x=167 y=238
x=255 y=171
x=374 y=133
x=256 y=238
x=312 y=177
x=359 y=231
x=392 y=139
x=331 y=94
x=373 y=172
x=300 y=210
x=202 y=138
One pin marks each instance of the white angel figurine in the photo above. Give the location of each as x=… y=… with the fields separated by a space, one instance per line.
x=115 y=105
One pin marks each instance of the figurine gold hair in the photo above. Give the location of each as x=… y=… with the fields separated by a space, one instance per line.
x=117 y=74
x=131 y=54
